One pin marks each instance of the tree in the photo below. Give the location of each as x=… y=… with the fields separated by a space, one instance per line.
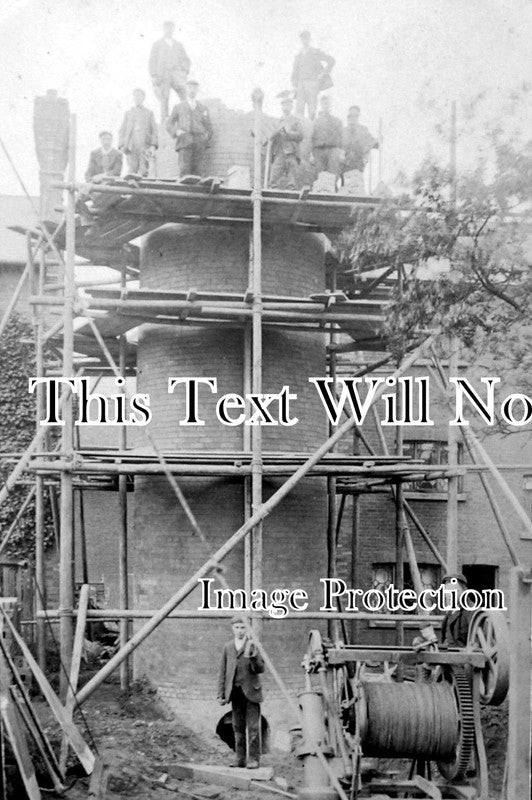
x=478 y=246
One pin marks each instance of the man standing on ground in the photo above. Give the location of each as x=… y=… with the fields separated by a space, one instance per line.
x=169 y=66
x=285 y=147
x=105 y=161
x=327 y=139
x=138 y=135
x=312 y=68
x=239 y=684
x=357 y=142
x=191 y=127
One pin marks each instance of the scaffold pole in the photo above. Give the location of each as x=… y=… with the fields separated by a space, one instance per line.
x=66 y=539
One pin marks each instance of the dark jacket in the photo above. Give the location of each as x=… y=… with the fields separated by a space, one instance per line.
x=310 y=64
x=357 y=143
x=195 y=124
x=287 y=136
x=139 y=123
x=248 y=672
x=164 y=59
x=113 y=165
x=327 y=131
x=454 y=628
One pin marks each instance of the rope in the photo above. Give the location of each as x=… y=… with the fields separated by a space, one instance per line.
x=411 y=720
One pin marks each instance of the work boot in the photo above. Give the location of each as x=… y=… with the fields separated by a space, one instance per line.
x=253 y=764
x=238 y=762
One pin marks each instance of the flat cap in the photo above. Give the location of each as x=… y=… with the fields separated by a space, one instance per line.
x=455 y=577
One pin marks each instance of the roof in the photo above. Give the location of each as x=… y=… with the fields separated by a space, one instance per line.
x=15 y=210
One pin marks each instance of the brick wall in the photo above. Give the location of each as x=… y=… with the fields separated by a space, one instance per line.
x=181 y=657
x=479 y=538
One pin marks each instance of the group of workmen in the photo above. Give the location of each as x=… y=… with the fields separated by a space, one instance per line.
x=340 y=152
x=189 y=123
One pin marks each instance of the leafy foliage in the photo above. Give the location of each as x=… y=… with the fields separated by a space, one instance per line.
x=17 y=428
x=466 y=261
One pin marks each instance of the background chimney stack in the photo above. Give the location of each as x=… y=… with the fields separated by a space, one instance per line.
x=51 y=115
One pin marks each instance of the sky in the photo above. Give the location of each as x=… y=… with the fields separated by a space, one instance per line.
x=402 y=61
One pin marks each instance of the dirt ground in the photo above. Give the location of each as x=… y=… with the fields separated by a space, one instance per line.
x=142 y=742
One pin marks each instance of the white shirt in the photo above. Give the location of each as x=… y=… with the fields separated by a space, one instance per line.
x=192 y=102
x=239 y=644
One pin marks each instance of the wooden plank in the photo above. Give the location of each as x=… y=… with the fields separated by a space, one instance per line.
x=8 y=663
x=98 y=782
x=77 y=650
x=19 y=746
x=76 y=741
x=39 y=737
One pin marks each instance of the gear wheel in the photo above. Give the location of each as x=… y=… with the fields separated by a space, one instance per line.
x=456 y=768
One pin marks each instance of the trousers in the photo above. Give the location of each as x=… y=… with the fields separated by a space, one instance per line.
x=192 y=159
x=327 y=159
x=307 y=95
x=246 y=725
x=138 y=162
x=175 y=79
x=284 y=172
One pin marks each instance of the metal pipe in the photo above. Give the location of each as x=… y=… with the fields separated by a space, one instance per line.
x=212 y=563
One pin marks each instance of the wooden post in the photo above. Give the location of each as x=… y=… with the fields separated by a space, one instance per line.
x=66 y=588
x=246 y=444
x=40 y=567
x=123 y=578
x=212 y=563
x=256 y=342
x=482 y=457
x=452 y=482
x=81 y=621
x=519 y=716
x=355 y=537
x=380 y=140
x=399 y=495
x=452 y=142
x=332 y=628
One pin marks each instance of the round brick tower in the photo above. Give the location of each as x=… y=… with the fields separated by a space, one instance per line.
x=181 y=657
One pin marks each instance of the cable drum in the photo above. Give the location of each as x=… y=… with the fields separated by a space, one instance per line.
x=411 y=720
